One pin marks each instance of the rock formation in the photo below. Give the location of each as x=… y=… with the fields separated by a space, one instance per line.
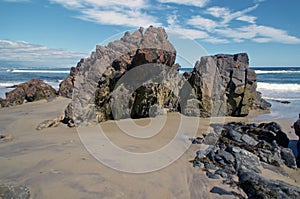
x=67 y=85
x=98 y=76
x=241 y=150
x=136 y=77
x=30 y=91
x=224 y=85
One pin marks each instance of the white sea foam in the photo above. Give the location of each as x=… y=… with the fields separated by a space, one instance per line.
x=9 y=84
x=37 y=71
x=278 y=87
x=276 y=71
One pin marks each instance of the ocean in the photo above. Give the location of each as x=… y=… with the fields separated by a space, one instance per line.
x=275 y=83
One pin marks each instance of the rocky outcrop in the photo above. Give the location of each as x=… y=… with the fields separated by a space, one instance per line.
x=136 y=77
x=297 y=132
x=67 y=85
x=224 y=85
x=30 y=91
x=98 y=75
x=242 y=150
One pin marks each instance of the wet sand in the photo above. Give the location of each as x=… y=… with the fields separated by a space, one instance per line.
x=54 y=163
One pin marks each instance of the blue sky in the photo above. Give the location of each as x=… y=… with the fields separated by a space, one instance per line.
x=59 y=32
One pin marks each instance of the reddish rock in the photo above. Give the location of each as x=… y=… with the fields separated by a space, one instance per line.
x=30 y=91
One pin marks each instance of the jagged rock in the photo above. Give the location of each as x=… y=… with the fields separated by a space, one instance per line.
x=30 y=91
x=98 y=75
x=210 y=139
x=50 y=123
x=224 y=85
x=256 y=186
x=261 y=103
x=12 y=191
x=288 y=157
x=249 y=140
x=67 y=85
x=242 y=150
x=234 y=135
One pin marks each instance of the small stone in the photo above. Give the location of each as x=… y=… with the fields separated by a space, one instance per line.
x=221 y=173
x=196 y=163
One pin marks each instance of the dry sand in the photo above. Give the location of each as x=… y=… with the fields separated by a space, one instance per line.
x=55 y=164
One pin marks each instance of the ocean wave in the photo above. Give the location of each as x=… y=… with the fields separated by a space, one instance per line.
x=276 y=71
x=9 y=84
x=278 y=87
x=37 y=71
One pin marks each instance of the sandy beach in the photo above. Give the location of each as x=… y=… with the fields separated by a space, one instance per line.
x=53 y=162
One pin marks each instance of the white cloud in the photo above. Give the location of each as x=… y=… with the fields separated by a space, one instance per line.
x=23 y=52
x=258 y=33
x=197 y=3
x=202 y=23
x=112 y=12
x=247 y=18
x=218 y=12
x=111 y=17
x=187 y=33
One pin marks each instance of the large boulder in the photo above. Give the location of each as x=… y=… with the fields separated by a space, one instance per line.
x=30 y=91
x=99 y=74
x=224 y=85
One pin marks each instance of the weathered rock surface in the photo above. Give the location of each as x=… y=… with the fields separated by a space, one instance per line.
x=67 y=85
x=241 y=150
x=30 y=91
x=261 y=103
x=50 y=123
x=13 y=191
x=224 y=85
x=98 y=75
x=136 y=77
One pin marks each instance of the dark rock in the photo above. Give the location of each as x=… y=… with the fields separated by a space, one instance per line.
x=210 y=139
x=30 y=91
x=297 y=127
x=221 y=173
x=261 y=103
x=196 y=163
x=197 y=140
x=204 y=153
x=225 y=156
x=211 y=175
x=256 y=186
x=297 y=132
x=249 y=140
x=209 y=166
x=234 y=135
x=288 y=157
x=13 y=191
x=220 y=191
